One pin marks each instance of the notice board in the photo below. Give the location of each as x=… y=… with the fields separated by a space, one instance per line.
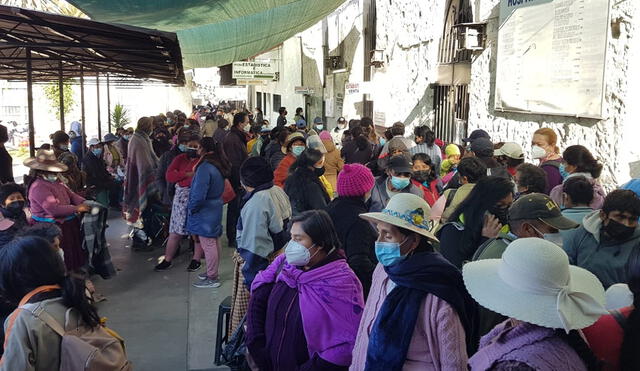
x=551 y=56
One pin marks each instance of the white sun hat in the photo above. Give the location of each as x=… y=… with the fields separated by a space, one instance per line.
x=405 y=210
x=533 y=282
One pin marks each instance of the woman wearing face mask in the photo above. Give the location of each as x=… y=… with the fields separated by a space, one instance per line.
x=73 y=177
x=481 y=216
x=53 y=202
x=418 y=314
x=294 y=146
x=12 y=204
x=425 y=177
x=204 y=206
x=180 y=173
x=578 y=161
x=161 y=140
x=305 y=307
x=545 y=148
x=303 y=186
x=396 y=180
x=99 y=181
x=123 y=143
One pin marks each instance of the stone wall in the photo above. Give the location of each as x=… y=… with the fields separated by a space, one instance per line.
x=611 y=139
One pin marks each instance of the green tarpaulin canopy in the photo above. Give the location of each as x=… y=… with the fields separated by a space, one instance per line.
x=215 y=32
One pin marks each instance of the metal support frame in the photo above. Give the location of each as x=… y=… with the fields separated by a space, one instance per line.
x=84 y=128
x=98 y=102
x=108 y=104
x=61 y=93
x=32 y=133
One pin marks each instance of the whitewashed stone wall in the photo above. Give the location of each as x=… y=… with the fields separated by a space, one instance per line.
x=613 y=140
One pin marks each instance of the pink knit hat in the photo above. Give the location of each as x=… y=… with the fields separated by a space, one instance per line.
x=324 y=135
x=354 y=180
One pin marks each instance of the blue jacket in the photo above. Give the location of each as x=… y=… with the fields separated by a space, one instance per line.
x=76 y=147
x=588 y=248
x=204 y=216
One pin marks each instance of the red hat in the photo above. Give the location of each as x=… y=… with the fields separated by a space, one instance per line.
x=355 y=180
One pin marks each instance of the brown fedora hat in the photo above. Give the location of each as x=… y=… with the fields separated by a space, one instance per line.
x=45 y=160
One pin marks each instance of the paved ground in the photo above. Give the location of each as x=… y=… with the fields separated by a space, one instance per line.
x=167 y=324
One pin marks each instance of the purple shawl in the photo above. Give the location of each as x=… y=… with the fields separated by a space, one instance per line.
x=140 y=176
x=331 y=304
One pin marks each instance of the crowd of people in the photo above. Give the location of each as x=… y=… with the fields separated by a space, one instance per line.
x=355 y=247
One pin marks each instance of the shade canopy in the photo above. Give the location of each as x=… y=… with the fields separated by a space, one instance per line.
x=215 y=32
x=58 y=45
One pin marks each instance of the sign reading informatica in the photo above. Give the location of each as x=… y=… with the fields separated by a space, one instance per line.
x=551 y=56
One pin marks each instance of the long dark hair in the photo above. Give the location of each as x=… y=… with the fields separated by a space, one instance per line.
x=629 y=355
x=307 y=159
x=485 y=194
x=580 y=157
x=301 y=175
x=319 y=226
x=577 y=343
x=29 y=262
x=214 y=155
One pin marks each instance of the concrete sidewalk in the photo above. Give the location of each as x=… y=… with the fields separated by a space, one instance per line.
x=167 y=324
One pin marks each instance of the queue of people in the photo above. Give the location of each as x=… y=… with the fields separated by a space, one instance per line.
x=354 y=248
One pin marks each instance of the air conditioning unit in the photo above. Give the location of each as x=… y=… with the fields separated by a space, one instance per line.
x=471 y=36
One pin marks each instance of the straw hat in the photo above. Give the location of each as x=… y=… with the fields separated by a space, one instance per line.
x=45 y=160
x=533 y=282
x=405 y=210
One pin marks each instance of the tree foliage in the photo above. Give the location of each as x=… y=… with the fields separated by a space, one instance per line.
x=52 y=92
x=120 y=116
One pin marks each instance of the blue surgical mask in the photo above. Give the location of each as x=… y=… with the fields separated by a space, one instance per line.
x=400 y=183
x=97 y=152
x=297 y=150
x=383 y=141
x=297 y=254
x=127 y=137
x=64 y=147
x=563 y=171
x=186 y=126
x=388 y=253
x=182 y=147
x=51 y=178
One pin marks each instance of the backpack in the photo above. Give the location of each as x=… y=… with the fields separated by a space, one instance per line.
x=83 y=348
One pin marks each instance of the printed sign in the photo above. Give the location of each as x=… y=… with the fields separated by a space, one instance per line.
x=253 y=70
x=551 y=56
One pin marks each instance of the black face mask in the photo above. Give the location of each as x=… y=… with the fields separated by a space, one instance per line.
x=502 y=213
x=192 y=153
x=618 y=231
x=318 y=171
x=15 y=208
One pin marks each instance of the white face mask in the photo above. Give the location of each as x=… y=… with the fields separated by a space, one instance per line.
x=538 y=152
x=51 y=177
x=297 y=254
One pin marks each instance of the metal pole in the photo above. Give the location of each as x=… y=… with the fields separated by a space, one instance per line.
x=84 y=128
x=32 y=136
x=98 y=101
x=61 y=93
x=108 y=104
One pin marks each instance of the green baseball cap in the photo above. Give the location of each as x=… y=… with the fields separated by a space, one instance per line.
x=540 y=206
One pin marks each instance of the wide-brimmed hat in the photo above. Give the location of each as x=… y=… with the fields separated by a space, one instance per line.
x=293 y=137
x=533 y=282
x=109 y=138
x=45 y=160
x=93 y=141
x=405 y=210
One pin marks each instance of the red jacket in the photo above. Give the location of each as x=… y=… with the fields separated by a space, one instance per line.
x=432 y=193
x=180 y=166
x=282 y=171
x=605 y=339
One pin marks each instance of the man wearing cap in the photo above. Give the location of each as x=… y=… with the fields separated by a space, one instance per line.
x=396 y=180
x=318 y=125
x=302 y=127
x=336 y=133
x=510 y=155
x=532 y=215
x=478 y=133
x=99 y=181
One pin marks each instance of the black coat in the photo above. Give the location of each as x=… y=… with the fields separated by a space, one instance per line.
x=305 y=191
x=6 y=166
x=357 y=237
x=96 y=170
x=235 y=147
